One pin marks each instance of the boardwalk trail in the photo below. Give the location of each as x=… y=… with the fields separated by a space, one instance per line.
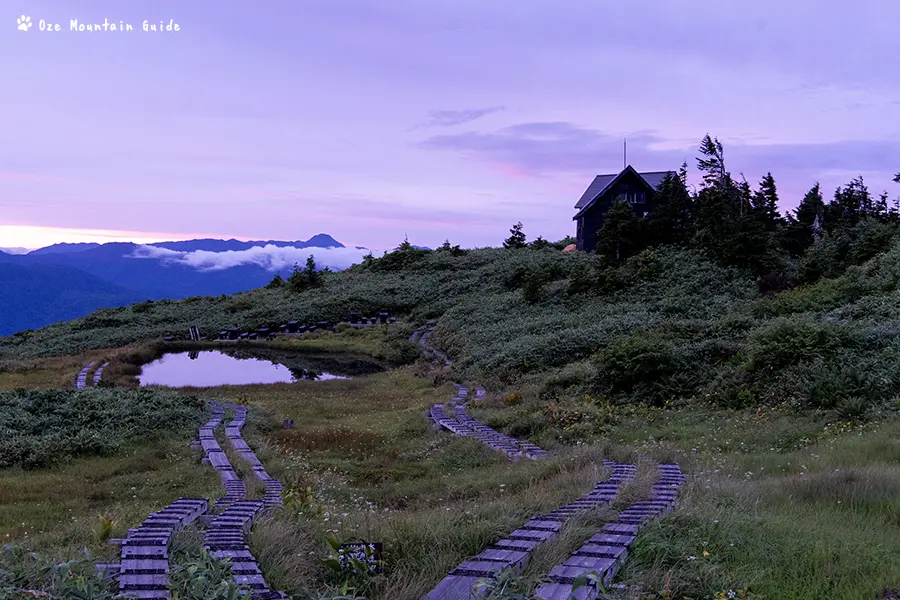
x=459 y=422
x=226 y=533
x=604 y=553
x=144 y=568
x=81 y=379
x=514 y=551
x=601 y=556
x=98 y=374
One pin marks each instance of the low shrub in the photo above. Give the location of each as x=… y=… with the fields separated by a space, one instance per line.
x=40 y=428
x=636 y=360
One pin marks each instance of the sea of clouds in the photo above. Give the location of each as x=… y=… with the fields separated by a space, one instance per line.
x=271 y=258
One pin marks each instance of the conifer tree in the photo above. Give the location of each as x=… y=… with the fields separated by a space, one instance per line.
x=851 y=204
x=540 y=243
x=669 y=220
x=719 y=203
x=405 y=245
x=713 y=164
x=516 y=238
x=802 y=226
x=620 y=236
x=765 y=203
x=881 y=209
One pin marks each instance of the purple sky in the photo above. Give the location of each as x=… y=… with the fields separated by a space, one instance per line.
x=437 y=119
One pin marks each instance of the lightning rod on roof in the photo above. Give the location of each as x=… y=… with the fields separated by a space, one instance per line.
x=625 y=153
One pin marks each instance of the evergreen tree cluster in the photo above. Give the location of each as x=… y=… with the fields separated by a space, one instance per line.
x=305 y=278
x=742 y=227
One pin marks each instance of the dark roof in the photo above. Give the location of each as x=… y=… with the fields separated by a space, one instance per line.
x=603 y=182
x=598 y=185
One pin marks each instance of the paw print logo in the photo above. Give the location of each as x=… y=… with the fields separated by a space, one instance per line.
x=24 y=23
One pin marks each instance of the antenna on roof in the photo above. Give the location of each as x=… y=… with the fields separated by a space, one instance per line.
x=625 y=153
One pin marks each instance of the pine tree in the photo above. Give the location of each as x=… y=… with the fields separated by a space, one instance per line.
x=713 y=165
x=305 y=278
x=516 y=238
x=880 y=208
x=718 y=205
x=297 y=279
x=540 y=243
x=806 y=222
x=620 y=236
x=670 y=216
x=764 y=203
x=851 y=204
x=313 y=278
x=744 y=197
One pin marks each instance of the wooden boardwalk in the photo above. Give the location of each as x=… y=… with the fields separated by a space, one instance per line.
x=460 y=423
x=81 y=379
x=602 y=555
x=421 y=336
x=605 y=552
x=98 y=374
x=273 y=487
x=144 y=568
x=226 y=533
x=514 y=551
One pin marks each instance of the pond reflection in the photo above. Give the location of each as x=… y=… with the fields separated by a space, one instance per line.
x=212 y=368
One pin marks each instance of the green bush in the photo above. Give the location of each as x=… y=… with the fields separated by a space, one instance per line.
x=635 y=360
x=205 y=578
x=786 y=341
x=40 y=428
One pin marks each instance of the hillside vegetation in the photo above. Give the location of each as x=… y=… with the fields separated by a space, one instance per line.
x=714 y=296
x=665 y=325
x=38 y=295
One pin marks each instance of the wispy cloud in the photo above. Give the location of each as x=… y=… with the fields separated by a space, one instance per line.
x=449 y=118
x=271 y=258
x=552 y=147
x=561 y=147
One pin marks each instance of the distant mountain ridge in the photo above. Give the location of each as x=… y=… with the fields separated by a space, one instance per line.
x=67 y=281
x=320 y=240
x=35 y=296
x=64 y=248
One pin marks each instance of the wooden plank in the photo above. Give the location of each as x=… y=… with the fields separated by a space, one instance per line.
x=453 y=587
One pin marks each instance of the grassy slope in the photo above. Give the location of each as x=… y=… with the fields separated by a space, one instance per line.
x=470 y=290
x=667 y=326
